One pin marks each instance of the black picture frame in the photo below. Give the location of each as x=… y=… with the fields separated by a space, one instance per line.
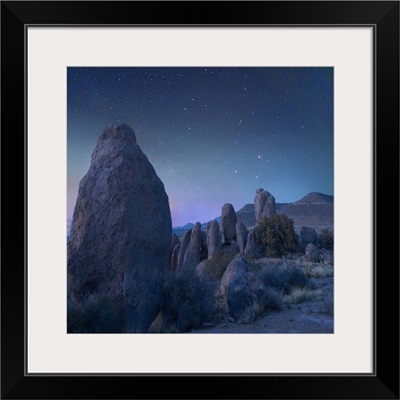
x=383 y=383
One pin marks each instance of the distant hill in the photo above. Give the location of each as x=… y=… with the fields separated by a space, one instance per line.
x=189 y=225
x=316 y=198
x=314 y=210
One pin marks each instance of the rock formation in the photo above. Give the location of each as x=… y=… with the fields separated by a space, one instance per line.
x=241 y=236
x=193 y=250
x=251 y=243
x=213 y=238
x=182 y=250
x=174 y=258
x=308 y=235
x=175 y=240
x=264 y=204
x=204 y=246
x=228 y=221
x=120 y=240
x=236 y=290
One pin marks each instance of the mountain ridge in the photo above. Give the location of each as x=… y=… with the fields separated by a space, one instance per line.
x=315 y=209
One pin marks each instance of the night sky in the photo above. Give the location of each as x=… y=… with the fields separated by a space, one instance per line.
x=214 y=135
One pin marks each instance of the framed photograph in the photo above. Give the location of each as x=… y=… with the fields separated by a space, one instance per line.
x=209 y=197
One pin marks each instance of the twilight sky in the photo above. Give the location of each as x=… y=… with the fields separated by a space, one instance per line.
x=214 y=135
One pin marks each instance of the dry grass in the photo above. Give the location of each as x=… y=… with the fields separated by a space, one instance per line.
x=322 y=271
x=299 y=295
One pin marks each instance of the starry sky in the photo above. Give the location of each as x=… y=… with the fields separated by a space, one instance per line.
x=213 y=134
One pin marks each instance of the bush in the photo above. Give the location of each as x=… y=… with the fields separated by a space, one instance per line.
x=216 y=267
x=284 y=279
x=96 y=314
x=325 y=239
x=298 y=295
x=189 y=303
x=272 y=298
x=276 y=234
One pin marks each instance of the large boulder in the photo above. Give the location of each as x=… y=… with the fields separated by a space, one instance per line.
x=228 y=221
x=240 y=301
x=182 y=249
x=264 y=204
x=120 y=239
x=204 y=246
x=193 y=251
x=213 y=239
x=174 y=258
x=236 y=292
x=308 y=235
x=174 y=241
x=241 y=236
x=249 y=251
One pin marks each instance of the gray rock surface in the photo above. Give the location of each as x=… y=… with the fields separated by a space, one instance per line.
x=193 y=251
x=236 y=291
x=308 y=235
x=240 y=301
x=213 y=238
x=250 y=246
x=228 y=221
x=241 y=236
x=237 y=266
x=201 y=270
x=174 y=257
x=204 y=246
x=120 y=239
x=175 y=240
x=230 y=247
x=182 y=250
x=264 y=204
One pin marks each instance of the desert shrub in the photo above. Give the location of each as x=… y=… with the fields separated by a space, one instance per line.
x=322 y=271
x=189 y=303
x=325 y=239
x=272 y=298
x=216 y=267
x=284 y=278
x=96 y=314
x=300 y=294
x=276 y=234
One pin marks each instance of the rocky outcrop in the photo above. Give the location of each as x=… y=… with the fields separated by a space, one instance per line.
x=175 y=240
x=182 y=250
x=230 y=247
x=247 y=215
x=251 y=243
x=213 y=238
x=120 y=239
x=204 y=246
x=241 y=236
x=264 y=204
x=238 y=288
x=174 y=258
x=228 y=221
x=308 y=235
x=193 y=251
